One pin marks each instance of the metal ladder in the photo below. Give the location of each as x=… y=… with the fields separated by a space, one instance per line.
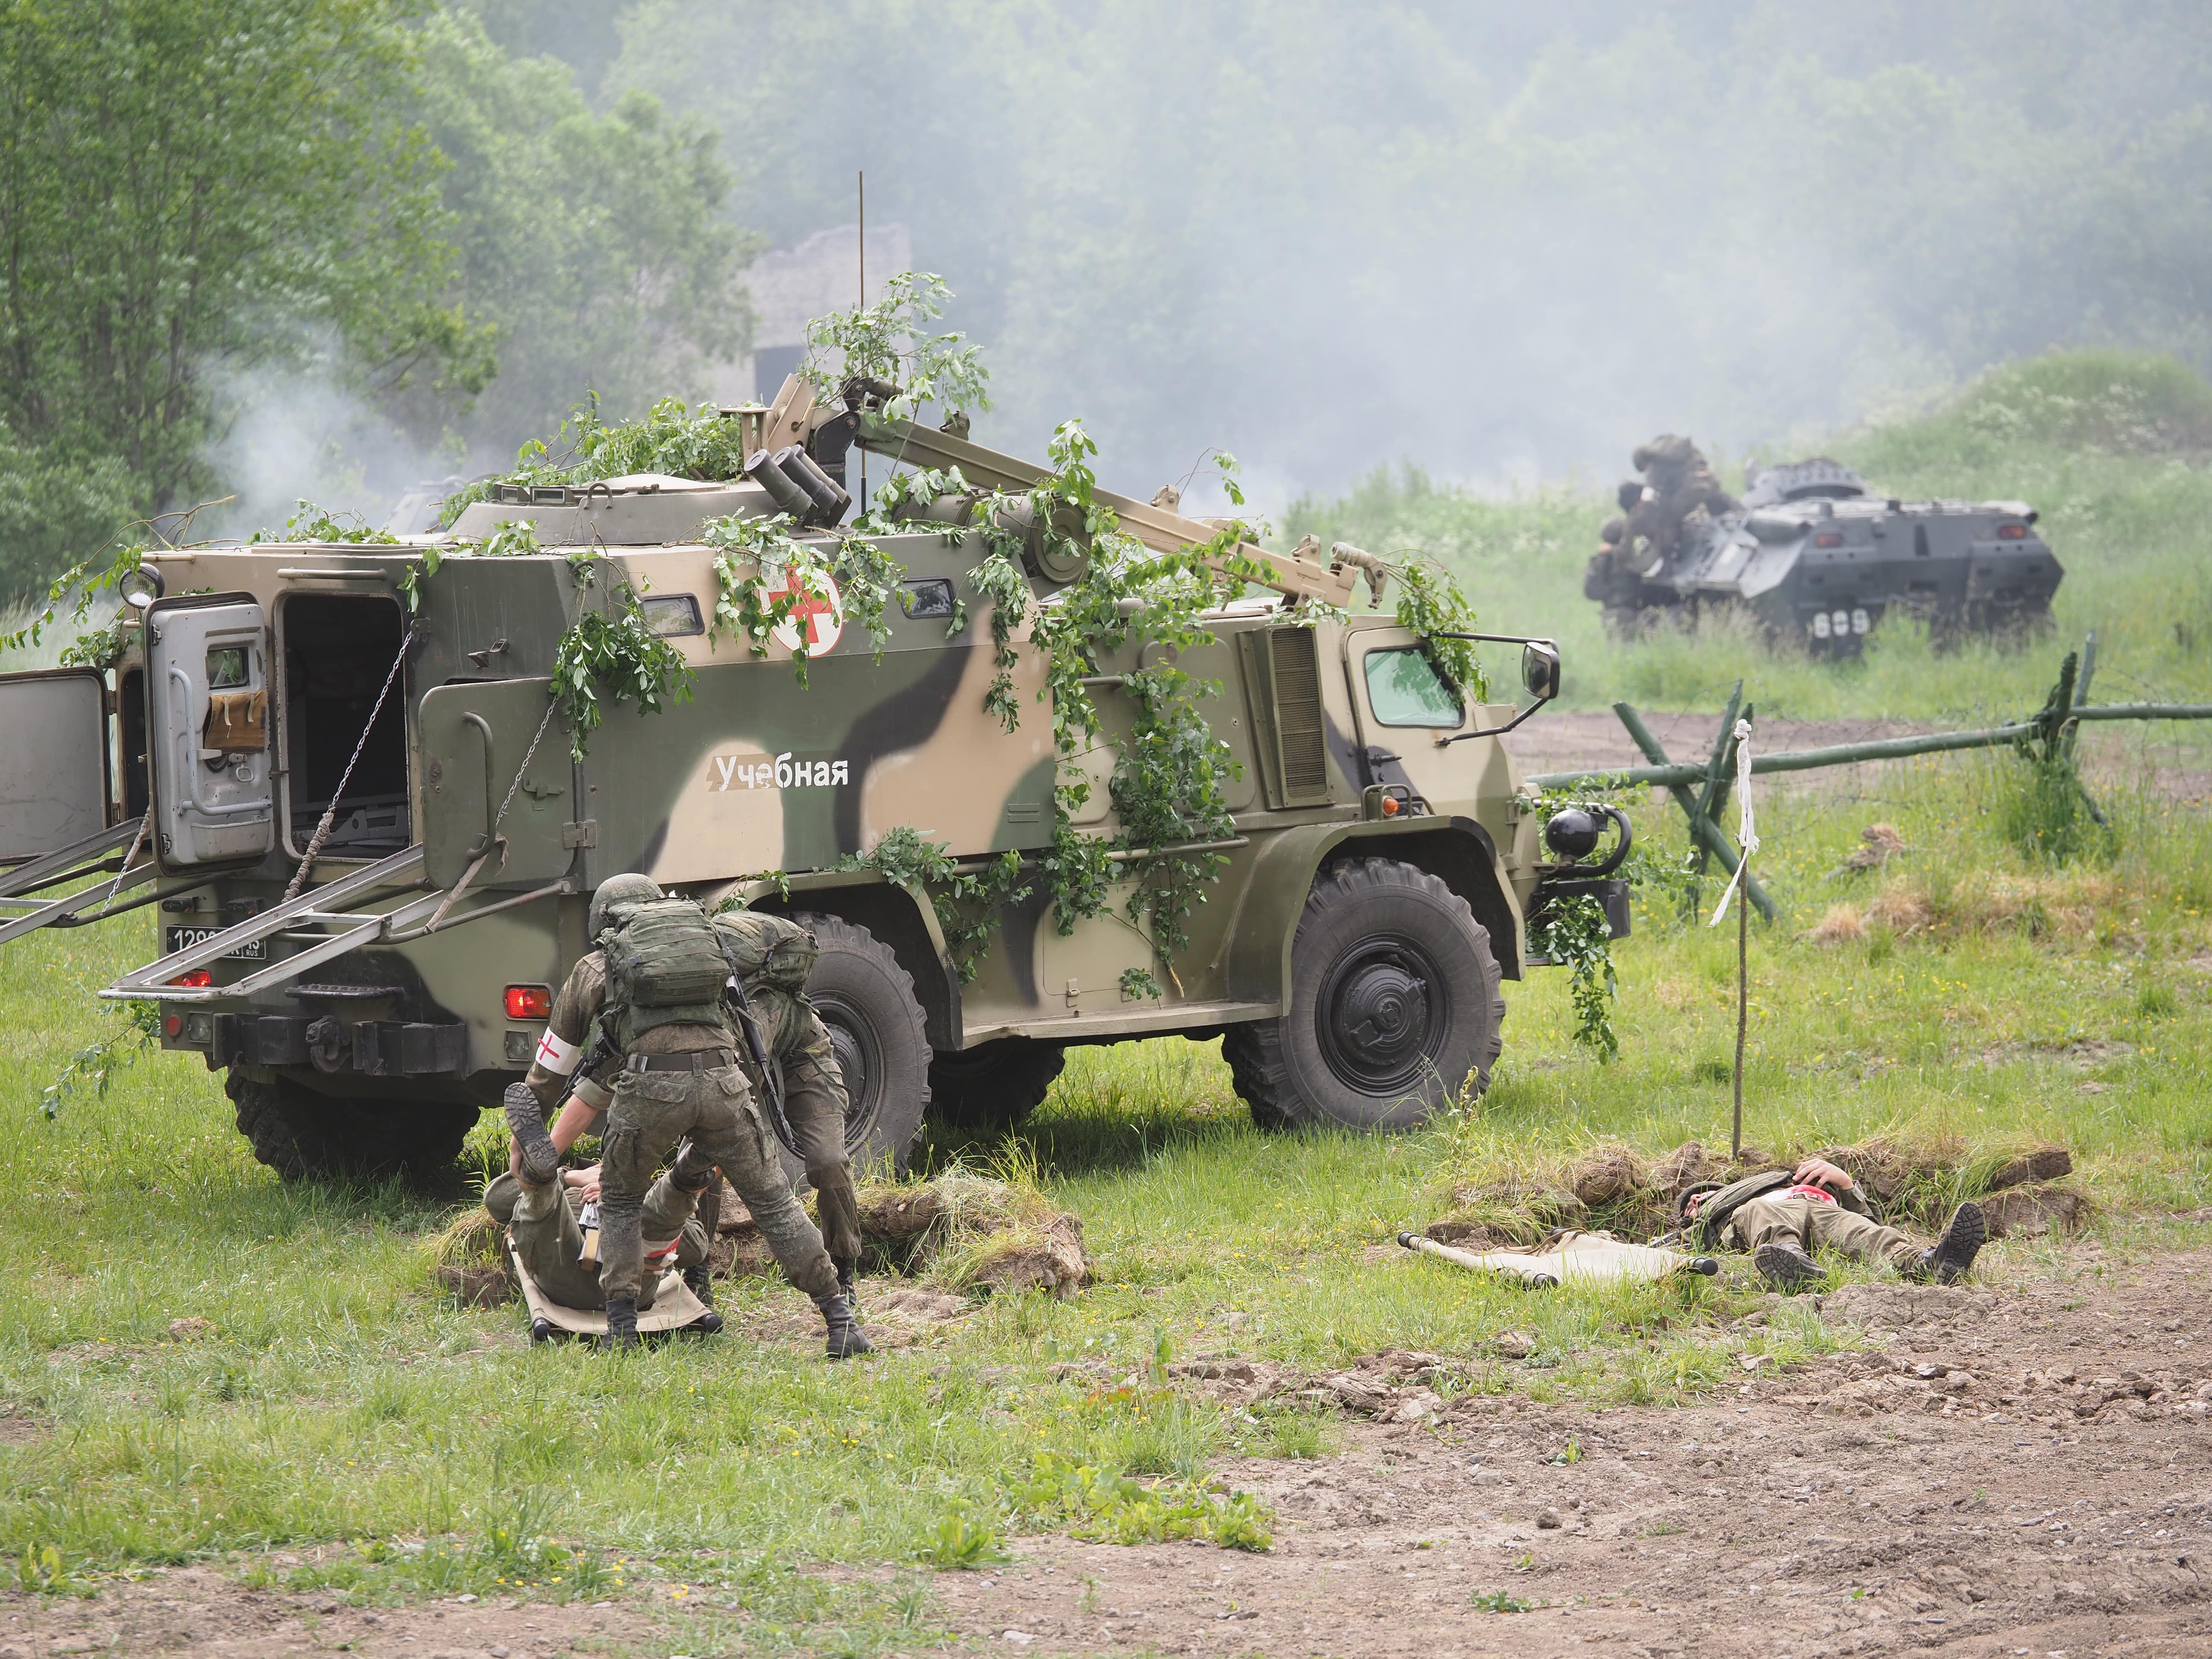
x=84 y=858
x=324 y=907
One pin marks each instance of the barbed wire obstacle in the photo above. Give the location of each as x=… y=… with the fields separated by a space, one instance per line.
x=2046 y=738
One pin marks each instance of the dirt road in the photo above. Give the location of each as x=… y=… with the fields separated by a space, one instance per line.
x=2024 y=1470
x=2037 y=1491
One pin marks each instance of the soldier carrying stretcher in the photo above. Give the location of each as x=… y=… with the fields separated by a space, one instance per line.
x=696 y=1015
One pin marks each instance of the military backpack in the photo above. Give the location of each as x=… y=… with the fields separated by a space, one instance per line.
x=669 y=963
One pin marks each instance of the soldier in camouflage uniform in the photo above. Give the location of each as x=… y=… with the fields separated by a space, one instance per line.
x=1678 y=481
x=1782 y=1215
x=684 y=1079
x=547 y=1227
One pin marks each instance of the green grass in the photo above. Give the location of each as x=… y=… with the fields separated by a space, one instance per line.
x=339 y=1404
x=2109 y=446
x=343 y=1411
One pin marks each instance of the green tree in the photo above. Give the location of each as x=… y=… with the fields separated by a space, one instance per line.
x=593 y=244
x=188 y=190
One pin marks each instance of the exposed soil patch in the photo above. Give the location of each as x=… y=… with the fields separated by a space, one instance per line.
x=198 y=1611
x=2000 y=1469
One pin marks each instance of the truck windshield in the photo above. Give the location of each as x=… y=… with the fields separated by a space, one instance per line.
x=1404 y=688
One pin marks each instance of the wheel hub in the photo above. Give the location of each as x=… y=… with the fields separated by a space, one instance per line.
x=1376 y=1016
x=851 y=1048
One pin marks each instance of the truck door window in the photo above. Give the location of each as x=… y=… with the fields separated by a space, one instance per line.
x=229 y=668
x=1404 y=688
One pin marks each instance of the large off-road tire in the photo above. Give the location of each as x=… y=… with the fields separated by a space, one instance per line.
x=989 y=1091
x=306 y=1136
x=881 y=1040
x=1393 y=1006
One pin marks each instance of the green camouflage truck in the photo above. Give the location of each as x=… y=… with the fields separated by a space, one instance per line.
x=1370 y=893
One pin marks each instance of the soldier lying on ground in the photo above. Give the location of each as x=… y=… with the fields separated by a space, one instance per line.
x=547 y=1222
x=1782 y=1215
x=657 y=984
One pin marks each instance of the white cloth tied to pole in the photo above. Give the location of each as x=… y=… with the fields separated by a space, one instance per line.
x=1747 y=831
x=1576 y=1258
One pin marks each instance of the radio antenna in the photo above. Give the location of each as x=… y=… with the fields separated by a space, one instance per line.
x=863 y=177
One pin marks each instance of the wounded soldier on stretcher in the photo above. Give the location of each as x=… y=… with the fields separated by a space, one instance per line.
x=1781 y=1216
x=555 y=1230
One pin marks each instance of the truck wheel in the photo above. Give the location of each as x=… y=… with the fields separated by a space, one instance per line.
x=305 y=1136
x=1394 y=1006
x=987 y=1091
x=877 y=1030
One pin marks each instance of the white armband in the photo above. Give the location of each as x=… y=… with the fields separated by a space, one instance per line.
x=557 y=1056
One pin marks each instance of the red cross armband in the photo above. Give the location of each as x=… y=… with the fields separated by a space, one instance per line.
x=557 y=1056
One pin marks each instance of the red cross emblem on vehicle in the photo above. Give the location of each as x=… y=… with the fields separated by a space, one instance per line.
x=820 y=610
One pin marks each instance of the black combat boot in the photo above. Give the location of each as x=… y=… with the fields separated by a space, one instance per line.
x=621 y=1324
x=526 y=1123
x=1785 y=1266
x=845 y=1336
x=1948 y=1259
x=700 y=1285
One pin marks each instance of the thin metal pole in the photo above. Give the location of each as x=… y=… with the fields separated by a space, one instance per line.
x=863 y=177
x=1742 y=1010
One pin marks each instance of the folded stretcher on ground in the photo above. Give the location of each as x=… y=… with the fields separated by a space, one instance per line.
x=1578 y=1258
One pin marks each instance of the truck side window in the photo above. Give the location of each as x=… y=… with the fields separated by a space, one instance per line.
x=672 y=616
x=1404 y=688
x=227 y=667
x=931 y=596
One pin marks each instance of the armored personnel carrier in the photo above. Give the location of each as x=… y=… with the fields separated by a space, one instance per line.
x=1815 y=556
x=383 y=713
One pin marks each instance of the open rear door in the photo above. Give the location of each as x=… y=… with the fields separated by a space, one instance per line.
x=54 y=787
x=207 y=725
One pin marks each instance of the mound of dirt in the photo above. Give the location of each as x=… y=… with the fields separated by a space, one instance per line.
x=2035 y=1212
x=1608 y=1176
x=961 y=1232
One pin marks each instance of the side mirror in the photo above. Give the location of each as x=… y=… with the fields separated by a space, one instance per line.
x=140 y=587
x=1540 y=670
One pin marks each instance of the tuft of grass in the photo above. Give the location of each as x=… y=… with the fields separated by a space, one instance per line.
x=1500 y=1601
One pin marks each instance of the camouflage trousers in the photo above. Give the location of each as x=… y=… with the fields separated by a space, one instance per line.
x=650 y=1113
x=1813 y=1225
x=549 y=1236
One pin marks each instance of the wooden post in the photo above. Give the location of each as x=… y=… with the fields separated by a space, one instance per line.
x=1703 y=830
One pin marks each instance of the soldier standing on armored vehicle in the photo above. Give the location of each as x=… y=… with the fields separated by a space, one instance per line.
x=657 y=986
x=1677 y=482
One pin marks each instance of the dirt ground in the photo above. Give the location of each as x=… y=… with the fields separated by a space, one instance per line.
x=2024 y=1470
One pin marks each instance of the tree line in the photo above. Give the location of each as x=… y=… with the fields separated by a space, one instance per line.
x=360 y=191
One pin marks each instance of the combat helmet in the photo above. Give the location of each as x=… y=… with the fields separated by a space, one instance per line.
x=625 y=890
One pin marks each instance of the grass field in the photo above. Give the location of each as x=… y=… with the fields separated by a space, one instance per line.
x=339 y=1408
x=339 y=1400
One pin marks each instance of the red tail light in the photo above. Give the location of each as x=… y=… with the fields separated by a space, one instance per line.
x=195 y=979
x=1828 y=538
x=2012 y=533
x=173 y=1024
x=529 y=1001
